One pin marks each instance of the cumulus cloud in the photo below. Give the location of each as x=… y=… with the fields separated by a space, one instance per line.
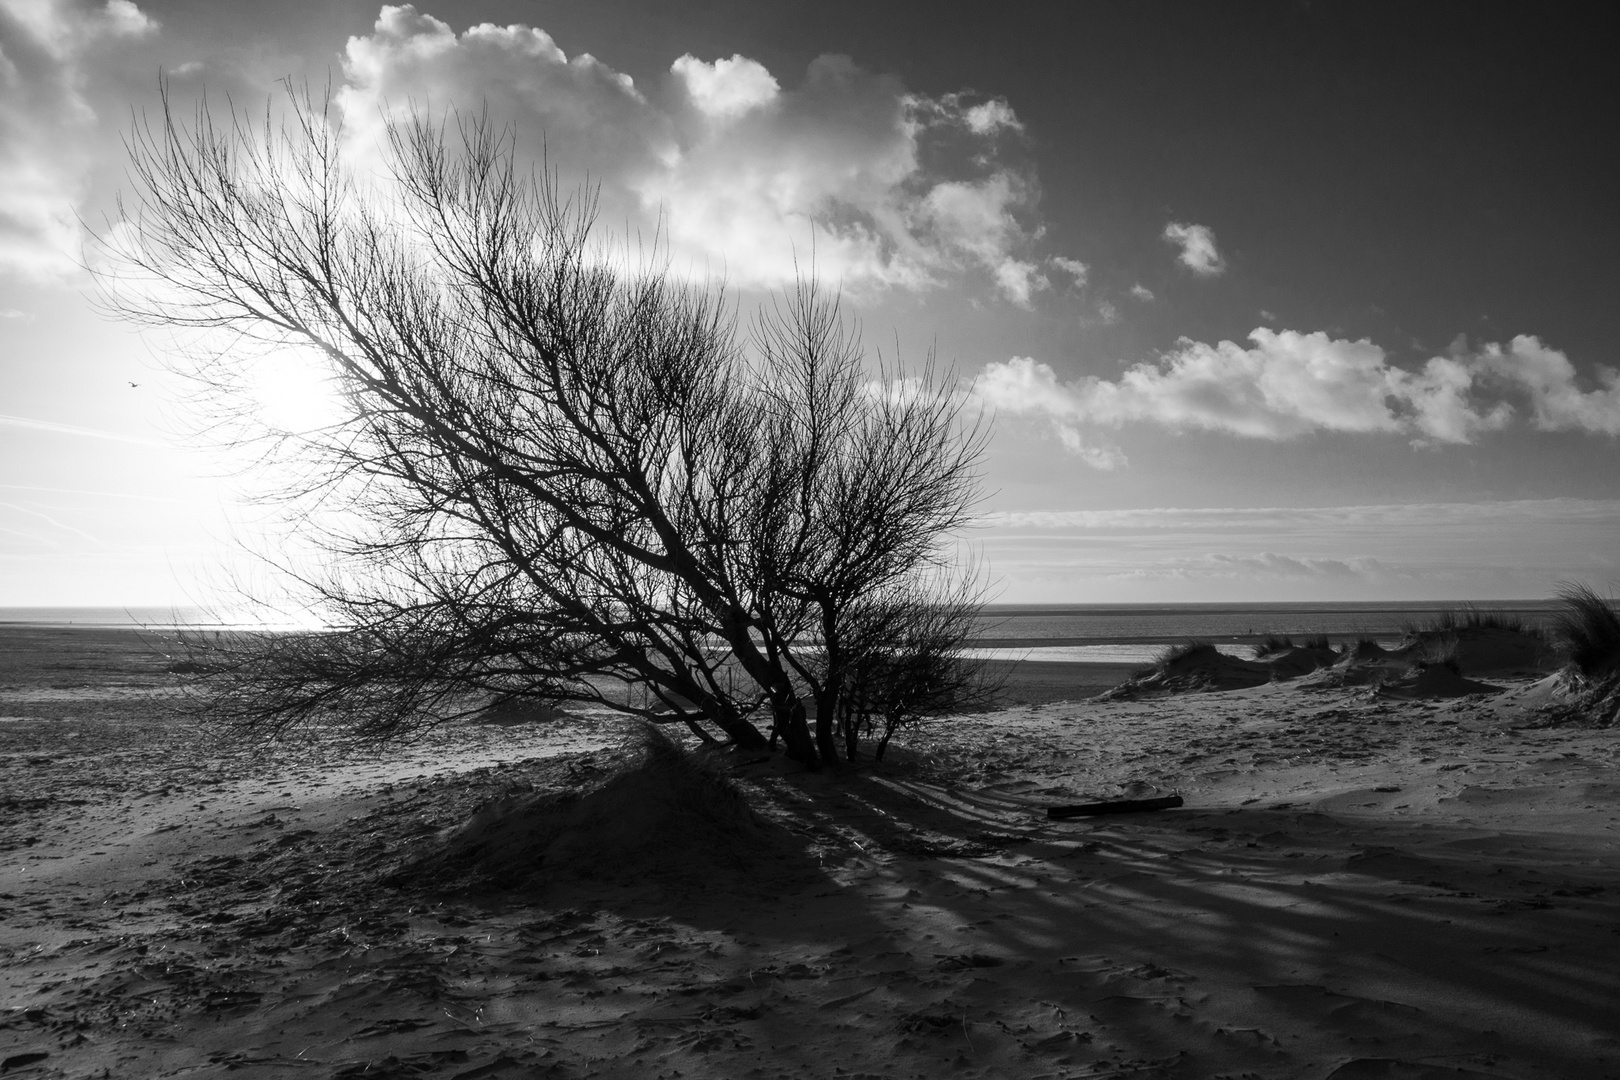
x=977 y=218
x=1143 y=293
x=1198 y=251
x=593 y=117
x=1104 y=458
x=1549 y=384
x=49 y=52
x=990 y=117
x=1288 y=384
x=741 y=173
x=1073 y=267
x=726 y=89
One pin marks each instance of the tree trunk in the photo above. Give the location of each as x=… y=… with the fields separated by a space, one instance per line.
x=722 y=713
x=794 y=727
x=883 y=743
x=826 y=742
x=697 y=729
x=739 y=729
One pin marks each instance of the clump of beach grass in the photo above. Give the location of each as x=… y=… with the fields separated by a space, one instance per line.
x=1586 y=632
x=1363 y=648
x=1186 y=650
x=1441 y=650
x=1471 y=617
x=1272 y=644
x=1190 y=667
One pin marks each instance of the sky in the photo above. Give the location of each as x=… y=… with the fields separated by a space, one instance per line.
x=1266 y=301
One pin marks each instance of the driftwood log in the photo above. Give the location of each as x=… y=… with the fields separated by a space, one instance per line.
x=1113 y=806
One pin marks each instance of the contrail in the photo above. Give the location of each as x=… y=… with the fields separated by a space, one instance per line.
x=69 y=429
x=100 y=494
x=53 y=521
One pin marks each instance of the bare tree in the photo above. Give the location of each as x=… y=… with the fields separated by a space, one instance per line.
x=556 y=477
x=907 y=664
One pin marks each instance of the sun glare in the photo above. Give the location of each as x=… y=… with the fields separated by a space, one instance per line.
x=292 y=392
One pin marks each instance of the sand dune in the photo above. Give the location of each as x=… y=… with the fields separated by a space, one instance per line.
x=1357 y=886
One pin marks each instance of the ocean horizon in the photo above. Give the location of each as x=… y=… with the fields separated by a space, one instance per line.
x=1087 y=633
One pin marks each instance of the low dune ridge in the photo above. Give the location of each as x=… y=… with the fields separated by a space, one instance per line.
x=1199 y=667
x=1293 y=662
x=1195 y=667
x=1447 y=659
x=1482 y=650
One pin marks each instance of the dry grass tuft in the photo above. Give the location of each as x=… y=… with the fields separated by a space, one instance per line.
x=1471 y=617
x=1364 y=648
x=1187 y=650
x=1272 y=644
x=1440 y=650
x=1587 y=631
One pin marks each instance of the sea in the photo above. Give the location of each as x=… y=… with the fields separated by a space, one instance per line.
x=1138 y=633
x=1088 y=633
x=140 y=618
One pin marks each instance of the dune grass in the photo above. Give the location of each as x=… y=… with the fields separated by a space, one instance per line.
x=1364 y=648
x=1586 y=631
x=1471 y=617
x=1183 y=651
x=1272 y=644
x=1441 y=650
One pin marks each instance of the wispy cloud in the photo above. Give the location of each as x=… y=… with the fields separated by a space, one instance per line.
x=1323 y=520
x=744 y=171
x=1268 y=566
x=1288 y=384
x=1198 y=251
x=1417 y=550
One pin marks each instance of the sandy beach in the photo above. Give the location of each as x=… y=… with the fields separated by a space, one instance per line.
x=1358 y=886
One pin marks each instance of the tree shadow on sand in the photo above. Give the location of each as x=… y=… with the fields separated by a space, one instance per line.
x=641 y=910
x=1334 y=947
